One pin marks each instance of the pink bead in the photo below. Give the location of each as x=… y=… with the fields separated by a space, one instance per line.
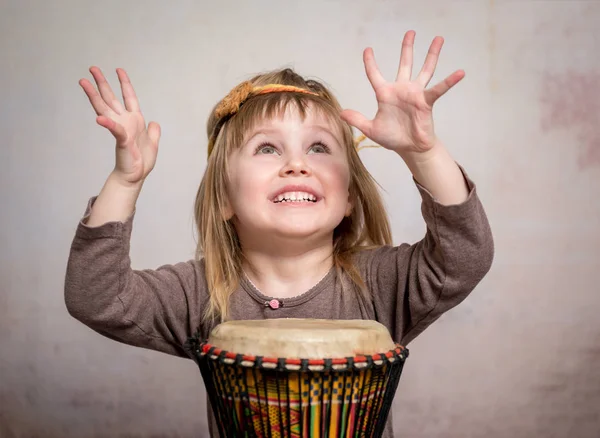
x=274 y=304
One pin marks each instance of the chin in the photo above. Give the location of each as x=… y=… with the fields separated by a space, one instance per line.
x=300 y=232
x=295 y=233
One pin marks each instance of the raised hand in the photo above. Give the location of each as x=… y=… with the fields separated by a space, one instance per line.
x=136 y=143
x=404 y=121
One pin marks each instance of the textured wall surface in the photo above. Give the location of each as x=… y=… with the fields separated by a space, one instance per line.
x=518 y=358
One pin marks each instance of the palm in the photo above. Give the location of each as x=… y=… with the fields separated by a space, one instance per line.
x=405 y=109
x=136 y=157
x=404 y=120
x=137 y=145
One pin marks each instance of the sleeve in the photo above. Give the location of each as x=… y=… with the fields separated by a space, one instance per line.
x=413 y=285
x=155 y=309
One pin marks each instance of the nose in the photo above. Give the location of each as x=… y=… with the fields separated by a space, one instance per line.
x=296 y=165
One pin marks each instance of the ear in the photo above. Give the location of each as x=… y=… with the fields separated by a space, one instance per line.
x=349 y=207
x=227 y=211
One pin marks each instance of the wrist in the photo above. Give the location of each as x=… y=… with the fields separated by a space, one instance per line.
x=438 y=172
x=118 y=181
x=419 y=159
x=115 y=202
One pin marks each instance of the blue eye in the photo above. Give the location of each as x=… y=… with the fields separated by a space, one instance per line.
x=265 y=149
x=319 y=148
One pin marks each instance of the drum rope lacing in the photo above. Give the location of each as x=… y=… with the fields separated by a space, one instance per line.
x=253 y=395
x=203 y=348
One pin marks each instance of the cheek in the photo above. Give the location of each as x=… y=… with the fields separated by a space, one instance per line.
x=337 y=174
x=248 y=182
x=344 y=176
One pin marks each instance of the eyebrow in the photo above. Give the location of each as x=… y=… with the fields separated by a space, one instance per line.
x=267 y=131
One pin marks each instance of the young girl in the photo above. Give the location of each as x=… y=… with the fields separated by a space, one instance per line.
x=290 y=222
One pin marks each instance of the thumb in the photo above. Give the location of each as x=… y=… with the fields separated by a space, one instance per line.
x=357 y=120
x=154 y=132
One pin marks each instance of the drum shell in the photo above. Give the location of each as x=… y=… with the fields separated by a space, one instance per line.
x=349 y=397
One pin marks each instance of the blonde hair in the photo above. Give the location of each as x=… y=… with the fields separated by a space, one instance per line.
x=218 y=243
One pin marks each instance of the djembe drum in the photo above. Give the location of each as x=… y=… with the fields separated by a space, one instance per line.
x=299 y=377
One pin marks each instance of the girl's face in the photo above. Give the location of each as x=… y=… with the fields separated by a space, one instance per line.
x=289 y=179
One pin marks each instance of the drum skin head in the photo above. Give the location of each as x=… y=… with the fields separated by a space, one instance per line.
x=302 y=338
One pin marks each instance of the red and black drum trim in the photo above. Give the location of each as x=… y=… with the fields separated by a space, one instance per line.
x=203 y=348
x=259 y=397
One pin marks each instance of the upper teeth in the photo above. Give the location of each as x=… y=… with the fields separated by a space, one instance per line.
x=295 y=196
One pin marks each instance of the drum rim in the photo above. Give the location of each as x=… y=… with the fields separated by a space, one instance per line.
x=202 y=349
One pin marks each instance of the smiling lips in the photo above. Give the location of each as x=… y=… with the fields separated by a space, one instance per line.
x=296 y=195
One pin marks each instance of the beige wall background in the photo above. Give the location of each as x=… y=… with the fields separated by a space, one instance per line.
x=519 y=358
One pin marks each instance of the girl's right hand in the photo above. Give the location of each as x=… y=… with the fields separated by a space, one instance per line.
x=137 y=145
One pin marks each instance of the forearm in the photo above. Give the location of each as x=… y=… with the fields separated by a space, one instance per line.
x=438 y=172
x=115 y=202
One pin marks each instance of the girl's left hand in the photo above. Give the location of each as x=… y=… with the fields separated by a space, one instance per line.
x=404 y=121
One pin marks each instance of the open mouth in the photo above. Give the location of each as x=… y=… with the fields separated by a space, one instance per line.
x=295 y=197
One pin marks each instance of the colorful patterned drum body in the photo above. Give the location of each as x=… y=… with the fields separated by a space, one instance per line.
x=300 y=377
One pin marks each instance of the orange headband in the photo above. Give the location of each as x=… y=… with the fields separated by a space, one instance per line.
x=240 y=94
x=231 y=104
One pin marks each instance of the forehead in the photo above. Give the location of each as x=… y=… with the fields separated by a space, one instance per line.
x=312 y=117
